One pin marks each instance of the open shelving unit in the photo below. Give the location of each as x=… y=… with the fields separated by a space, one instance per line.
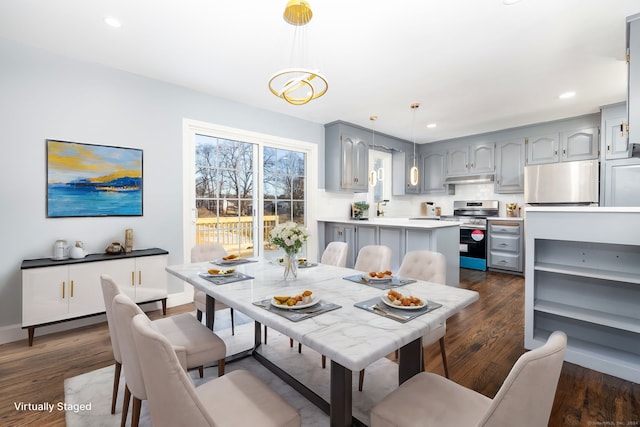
x=587 y=284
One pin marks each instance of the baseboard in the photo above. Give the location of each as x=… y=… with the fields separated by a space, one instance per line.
x=13 y=333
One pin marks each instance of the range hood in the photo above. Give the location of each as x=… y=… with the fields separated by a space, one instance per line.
x=469 y=179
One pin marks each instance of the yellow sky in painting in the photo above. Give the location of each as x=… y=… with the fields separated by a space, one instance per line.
x=71 y=161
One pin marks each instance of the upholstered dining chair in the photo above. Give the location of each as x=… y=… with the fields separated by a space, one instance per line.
x=236 y=399
x=526 y=395
x=373 y=258
x=208 y=252
x=194 y=342
x=431 y=267
x=335 y=254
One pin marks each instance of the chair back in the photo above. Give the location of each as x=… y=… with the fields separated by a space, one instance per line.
x=528 y=392
x=424 y=265
x=109 y=290
x=124 y=310
x=207 y=252
x=172 y=396
x=335 y=254
x=373 y=258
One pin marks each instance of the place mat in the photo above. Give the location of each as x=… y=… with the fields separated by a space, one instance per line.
x=393 y=283
x=396 y=314
x=238 y=277
x=236 y=261
x=301 y=314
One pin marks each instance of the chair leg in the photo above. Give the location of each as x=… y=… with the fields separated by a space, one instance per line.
x=135 y=414
x=201 y=371
x=233 y=326
x=324 y=361
x=125 y=406
x=300 y=348
x=265 y=334
x=361 y=380
x=444 y=358
x=220 y=367
x=291 y=342
x=199 y=315
x=116 y=384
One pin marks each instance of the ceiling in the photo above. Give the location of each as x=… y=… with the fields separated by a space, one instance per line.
x=475 y=66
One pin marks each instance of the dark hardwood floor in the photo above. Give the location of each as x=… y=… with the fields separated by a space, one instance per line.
x=483 y=343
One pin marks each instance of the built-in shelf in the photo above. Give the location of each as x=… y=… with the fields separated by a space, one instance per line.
x=593 y=316
x=594 y=273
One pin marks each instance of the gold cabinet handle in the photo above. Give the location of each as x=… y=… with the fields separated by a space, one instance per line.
x=72 y=289
x=63 y=286
x=139 y=277
x=133 y=278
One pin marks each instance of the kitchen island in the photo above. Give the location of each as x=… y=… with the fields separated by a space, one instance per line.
x=402 y=235
x=583 y=277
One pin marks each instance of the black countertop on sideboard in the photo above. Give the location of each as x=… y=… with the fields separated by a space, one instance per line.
x=49 y=262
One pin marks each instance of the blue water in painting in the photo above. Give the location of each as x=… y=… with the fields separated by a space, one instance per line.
x=64 y=200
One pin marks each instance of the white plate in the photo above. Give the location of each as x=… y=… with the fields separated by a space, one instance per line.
x=386 y=300
x=205 y=274
x=228 y=261
x=314 y=301
x=368 y=278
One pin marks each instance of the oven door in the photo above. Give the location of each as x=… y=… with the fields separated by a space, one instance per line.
x=473 y=248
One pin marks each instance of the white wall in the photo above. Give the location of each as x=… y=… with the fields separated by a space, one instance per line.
x=48 y=96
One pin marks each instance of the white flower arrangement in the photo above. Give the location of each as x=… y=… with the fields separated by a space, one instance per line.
x=289 y=236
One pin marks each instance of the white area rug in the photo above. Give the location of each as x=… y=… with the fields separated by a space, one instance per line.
x=380 y=379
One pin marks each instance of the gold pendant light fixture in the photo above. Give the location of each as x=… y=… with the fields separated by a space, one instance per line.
x=413 y=173
x=299 y=84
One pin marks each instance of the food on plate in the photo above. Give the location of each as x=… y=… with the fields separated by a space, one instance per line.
x=303 y=298
x=230 y=257
x=302 y=260
x=221 y=272
x=397 y=298
x=380 y=274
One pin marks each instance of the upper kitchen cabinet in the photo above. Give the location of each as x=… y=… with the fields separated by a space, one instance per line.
x=633 y=76
x=581 y=144
x=470 y=160
x=401 y=168
x=510 y=157
x=346 y=158
x=433 y=173
x=614 y=133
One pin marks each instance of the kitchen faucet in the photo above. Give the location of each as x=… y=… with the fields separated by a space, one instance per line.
x=378 y=203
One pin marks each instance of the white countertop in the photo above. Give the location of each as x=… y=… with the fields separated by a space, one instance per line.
x=505 y=218
x=395 y=222
x=583 y=209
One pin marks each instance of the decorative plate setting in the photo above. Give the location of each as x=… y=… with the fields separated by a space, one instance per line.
x=221 y=274
x=314 y=301
x=368 y=278
x=385 y=299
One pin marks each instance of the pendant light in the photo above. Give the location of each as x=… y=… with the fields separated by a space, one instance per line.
x=413 y=173
x=373 y=176
x=298 y=84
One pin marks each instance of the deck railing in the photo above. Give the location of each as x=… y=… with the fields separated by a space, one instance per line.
x=234 y=233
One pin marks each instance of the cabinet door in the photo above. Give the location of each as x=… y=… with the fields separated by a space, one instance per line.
x=622 y=182
x=365 y=235
x=347 y=152
x=122 y=271
x=633 y=82
x=85 y=290
x=542 y=149
x=45 y=295
x=360 y=167
x=458 y=161
x=616 y=145
x=393 y=237
x=342 y=233
x=509 y=167
x=579 y=145
x=433 y=172
x=151 y=278
x=481 y=158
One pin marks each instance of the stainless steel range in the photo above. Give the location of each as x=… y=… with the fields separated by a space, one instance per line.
x=473 y=232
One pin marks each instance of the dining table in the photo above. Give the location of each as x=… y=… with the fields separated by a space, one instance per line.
x=345 y=326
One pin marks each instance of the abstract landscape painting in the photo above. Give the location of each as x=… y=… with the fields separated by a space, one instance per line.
x=93 y=180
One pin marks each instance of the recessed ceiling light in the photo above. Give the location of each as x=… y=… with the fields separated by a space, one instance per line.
x=431 y=125
x=112 y=22
x=567 y=95
x=510 y=2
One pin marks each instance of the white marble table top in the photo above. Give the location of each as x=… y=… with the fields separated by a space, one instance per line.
x=349 y=336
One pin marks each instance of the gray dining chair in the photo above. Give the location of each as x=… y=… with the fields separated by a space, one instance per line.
x=236 y=399
x=524 y=399
x=208 y=252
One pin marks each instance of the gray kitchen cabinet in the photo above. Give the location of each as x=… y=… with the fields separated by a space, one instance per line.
x=365 y=235
x=335 y=232
x=346 y=158
x=505 y=246
x=433 y=174
x=470 y=160
x=510 y=159
x=622 y=180
x=393 y=237
x=565 y=146
x=614 y=141
x=633 y=78
x=401 y=166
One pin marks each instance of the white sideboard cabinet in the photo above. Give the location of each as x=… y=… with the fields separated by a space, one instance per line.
x=56 y=291
x=583 y=278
